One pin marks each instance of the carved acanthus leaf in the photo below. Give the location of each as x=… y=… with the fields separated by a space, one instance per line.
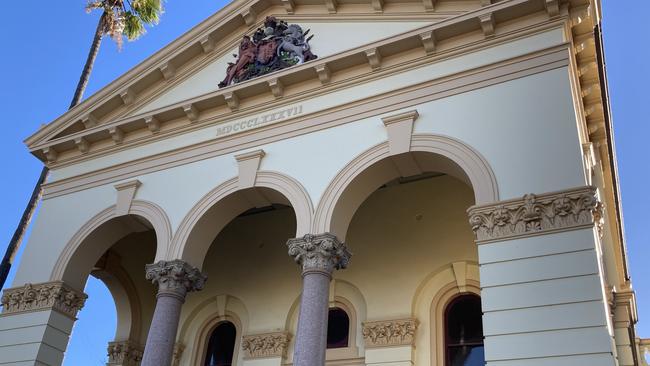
x=175 y=276
x=322 y=252
x=537 y=214
x=124 y=353
x=387 y=333
x=265 y=345
x=49 y=295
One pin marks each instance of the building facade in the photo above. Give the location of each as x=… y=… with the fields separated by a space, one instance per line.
x=367 y=182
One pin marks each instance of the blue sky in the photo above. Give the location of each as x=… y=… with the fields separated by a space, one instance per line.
x=41 y=65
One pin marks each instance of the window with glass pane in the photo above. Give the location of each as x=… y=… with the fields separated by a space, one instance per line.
x=221 y=345
x=464 y=332
x=338 y=328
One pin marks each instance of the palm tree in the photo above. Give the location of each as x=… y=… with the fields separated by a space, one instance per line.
x=120 y=18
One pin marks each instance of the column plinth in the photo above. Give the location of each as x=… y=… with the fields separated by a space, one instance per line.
x=319 y=256
x=174 y=279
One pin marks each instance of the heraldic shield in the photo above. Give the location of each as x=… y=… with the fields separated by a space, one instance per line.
x=275 y=46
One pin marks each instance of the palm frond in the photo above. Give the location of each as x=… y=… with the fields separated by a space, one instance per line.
x=133 y=26
x=126 y=18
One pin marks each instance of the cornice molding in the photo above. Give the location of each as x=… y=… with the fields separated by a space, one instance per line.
x=389 y=333
x=537 y=214
x=43 y=296
x=265 y=345
x=219 y=99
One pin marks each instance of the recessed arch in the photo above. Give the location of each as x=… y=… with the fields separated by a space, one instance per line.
x=433 y=295
x=221 y=205
x=369 y=170
x=99 y=233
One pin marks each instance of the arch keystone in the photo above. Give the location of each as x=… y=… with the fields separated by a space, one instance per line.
x=400 y=128
x=249 y=164
x=125 y=194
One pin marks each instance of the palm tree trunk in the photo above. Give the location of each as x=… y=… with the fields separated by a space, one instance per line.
x=90 y=61
x=17 y=238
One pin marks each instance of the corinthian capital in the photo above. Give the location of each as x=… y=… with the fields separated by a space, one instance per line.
x=323 y=252
x=175 y=276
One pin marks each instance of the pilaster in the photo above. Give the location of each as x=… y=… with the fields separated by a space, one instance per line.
x=36 y=322
x=390 y=342
x=541 y=288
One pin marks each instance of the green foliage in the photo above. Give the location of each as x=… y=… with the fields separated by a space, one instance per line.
x=126 y=18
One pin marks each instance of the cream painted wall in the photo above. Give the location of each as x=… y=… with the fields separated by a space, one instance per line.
x=399 y=236
x=329 y=38
x=531 y=148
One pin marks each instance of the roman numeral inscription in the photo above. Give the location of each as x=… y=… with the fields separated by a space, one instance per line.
x=230 y=128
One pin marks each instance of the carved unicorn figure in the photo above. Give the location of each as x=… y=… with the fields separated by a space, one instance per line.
x=293 y=41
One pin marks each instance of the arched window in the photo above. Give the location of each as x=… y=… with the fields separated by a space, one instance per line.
x=464 y=332
x=221 y=345
x=338 y=328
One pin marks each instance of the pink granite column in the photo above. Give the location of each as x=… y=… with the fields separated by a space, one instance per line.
x=175 y=279
x=318 y=255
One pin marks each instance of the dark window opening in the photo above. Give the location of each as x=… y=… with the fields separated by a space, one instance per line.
x=338 y=328
x=464 y=332
x=221 y=345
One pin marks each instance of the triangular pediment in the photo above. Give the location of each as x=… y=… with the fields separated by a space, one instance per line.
x=195 y=63
x=177 y=89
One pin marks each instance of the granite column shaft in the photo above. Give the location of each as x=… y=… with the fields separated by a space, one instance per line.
x=319 y=256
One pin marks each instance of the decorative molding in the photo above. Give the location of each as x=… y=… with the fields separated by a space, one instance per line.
x=552 y=7
x=125 y=194
x=152 y=123
x=232 y=100
x=378 y=6
x=116 y=134
x=207 y=44
x=248 y=164
x=289 y=6
x=128 y=96
x=265 y=345
x=429 y=5
x=124 y=353
x=89 y=121
x=168 y=70
x=331 y=6
x=43 y=296
x=374 y=58
x=82 y=144
x=178 y=353
x=537 y=214
x=487 y=24
x=250 y=16
x=191 y=112
x=50 y=154
x=388 y=333
x=322 y=252
x=324 y=74
x=428 y=42
x=176 y=277
x=276 y=87
x=399 y=128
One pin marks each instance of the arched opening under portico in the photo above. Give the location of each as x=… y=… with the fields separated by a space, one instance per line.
x=238 y=239
x=110 y=252
x=404 y=217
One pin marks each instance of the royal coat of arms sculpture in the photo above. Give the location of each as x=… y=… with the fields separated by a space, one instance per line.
x=275 y=46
